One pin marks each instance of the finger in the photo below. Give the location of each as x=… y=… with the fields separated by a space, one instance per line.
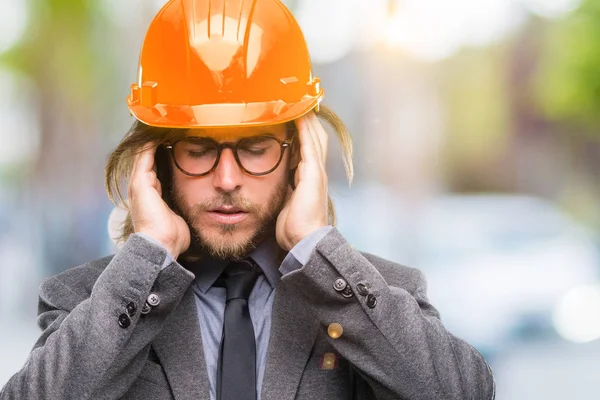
x=313 y=137
x=321 y=135
x=144 y=167
x=139 y=152
x=320 y=138
x=308 y=167
x=146 y=159
x=308 y=151
x=142 y=172
x=132 y=175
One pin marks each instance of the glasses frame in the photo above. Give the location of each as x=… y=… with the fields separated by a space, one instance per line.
x=284 y=144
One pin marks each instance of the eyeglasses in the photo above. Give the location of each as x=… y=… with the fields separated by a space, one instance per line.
x=257 y=155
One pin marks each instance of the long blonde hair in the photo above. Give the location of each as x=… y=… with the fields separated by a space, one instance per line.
x=120 y=162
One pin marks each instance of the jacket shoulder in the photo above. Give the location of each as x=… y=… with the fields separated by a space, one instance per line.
x=69 y=288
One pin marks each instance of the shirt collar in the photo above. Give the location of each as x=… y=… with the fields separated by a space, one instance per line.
x=266 y=255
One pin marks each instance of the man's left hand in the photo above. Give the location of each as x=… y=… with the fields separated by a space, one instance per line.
x=306 y=207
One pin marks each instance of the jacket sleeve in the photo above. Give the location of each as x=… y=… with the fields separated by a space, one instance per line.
x=392 y=335
x=91 y=343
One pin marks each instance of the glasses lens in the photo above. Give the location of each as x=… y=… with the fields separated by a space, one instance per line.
x=195 y=155
x=259 y=154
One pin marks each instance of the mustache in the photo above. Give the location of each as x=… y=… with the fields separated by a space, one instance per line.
x=225 y=200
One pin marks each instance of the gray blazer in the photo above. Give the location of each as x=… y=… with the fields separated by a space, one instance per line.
x=393 y=345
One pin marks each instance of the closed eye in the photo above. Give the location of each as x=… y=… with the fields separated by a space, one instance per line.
x=199 y=154
x=254 y=152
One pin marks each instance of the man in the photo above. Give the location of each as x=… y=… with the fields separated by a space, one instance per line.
x=232 y=282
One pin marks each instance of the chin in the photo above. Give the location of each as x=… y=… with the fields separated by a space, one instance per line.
x=236 y=231
x=227 y=241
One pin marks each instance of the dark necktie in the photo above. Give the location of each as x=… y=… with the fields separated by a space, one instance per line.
x=236 y=373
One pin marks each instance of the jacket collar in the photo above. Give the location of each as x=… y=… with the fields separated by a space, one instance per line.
x=179 y=349
x=293 y=333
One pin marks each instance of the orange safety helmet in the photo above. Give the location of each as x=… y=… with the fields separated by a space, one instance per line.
x=211 y=63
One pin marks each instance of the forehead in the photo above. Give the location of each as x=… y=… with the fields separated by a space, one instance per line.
x=236 y=133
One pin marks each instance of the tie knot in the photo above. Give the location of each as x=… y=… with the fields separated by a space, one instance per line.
x=239 y=278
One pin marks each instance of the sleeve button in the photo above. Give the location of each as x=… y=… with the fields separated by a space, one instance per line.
x=362 y=289
x=131 y=309
x=124 y=321
x=153 y=299
x=339 y=285
x=146 y=309
x=371 y=300
x=347 y=292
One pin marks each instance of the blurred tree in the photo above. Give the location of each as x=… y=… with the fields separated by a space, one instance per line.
x=568 y=83
x=475 y=86
x=63 y=188
x=568 y=92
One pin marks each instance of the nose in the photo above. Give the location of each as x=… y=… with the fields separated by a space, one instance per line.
x=227 y=176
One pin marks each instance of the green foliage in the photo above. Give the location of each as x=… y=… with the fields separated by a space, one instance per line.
x=58 y=46
x=568 y=84
x=474 y=86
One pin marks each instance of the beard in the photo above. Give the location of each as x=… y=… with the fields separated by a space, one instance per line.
x=224 y=245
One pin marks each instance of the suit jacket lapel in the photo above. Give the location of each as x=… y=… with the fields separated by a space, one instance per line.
x=179 y=349
x=293 y=333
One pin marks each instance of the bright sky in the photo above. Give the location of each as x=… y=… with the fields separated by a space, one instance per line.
x=13 y=21
x=428 y=29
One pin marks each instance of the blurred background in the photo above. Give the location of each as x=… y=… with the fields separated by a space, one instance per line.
x=477 y=154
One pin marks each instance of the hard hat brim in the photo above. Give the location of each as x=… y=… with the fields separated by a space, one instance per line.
x=223 y=114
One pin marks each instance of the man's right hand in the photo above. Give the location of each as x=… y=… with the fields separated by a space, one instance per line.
x=149 y=213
